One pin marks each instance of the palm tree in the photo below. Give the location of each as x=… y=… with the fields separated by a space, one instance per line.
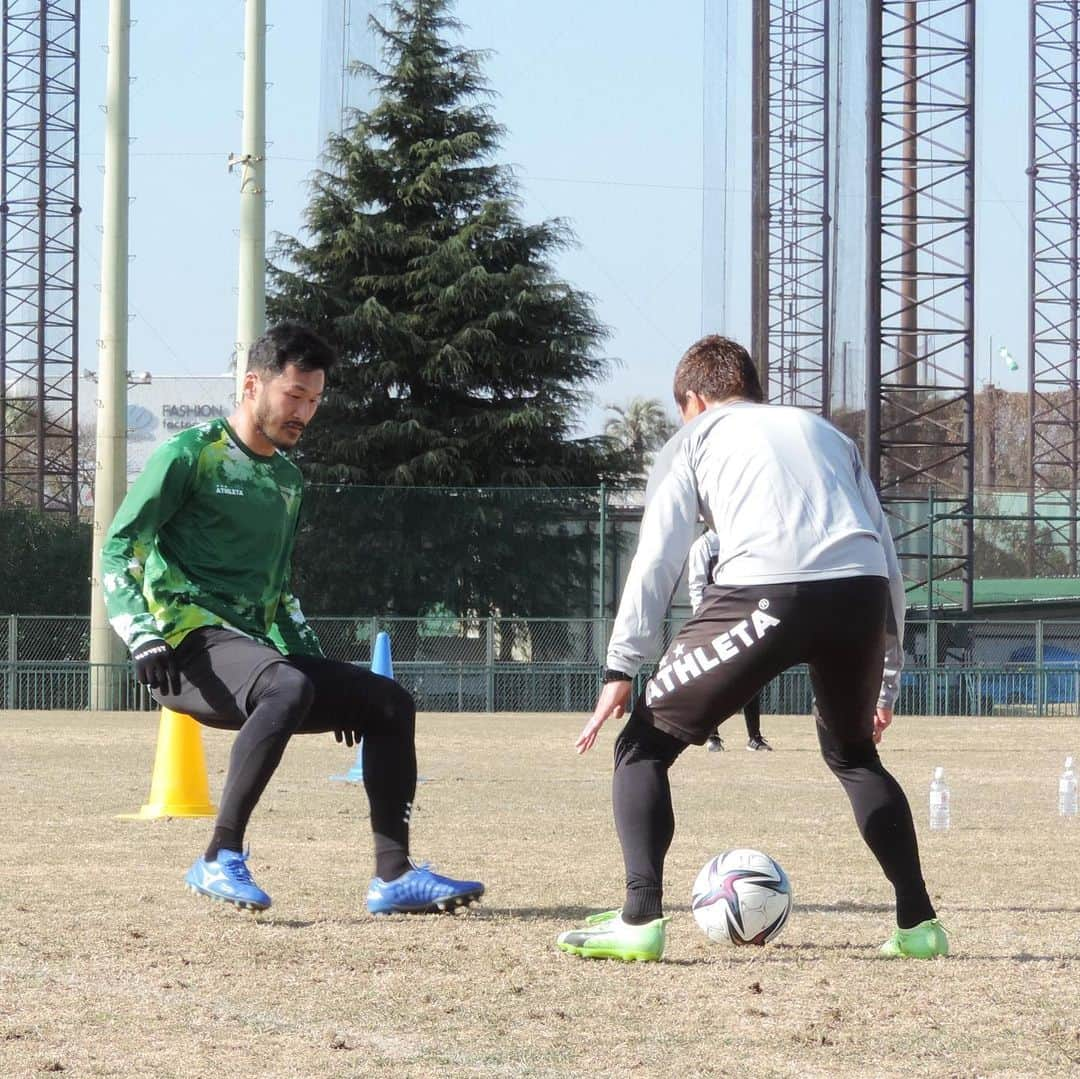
x=640 y=427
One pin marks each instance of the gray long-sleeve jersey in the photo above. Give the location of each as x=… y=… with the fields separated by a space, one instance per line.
x=699 y=566
x=788 y=498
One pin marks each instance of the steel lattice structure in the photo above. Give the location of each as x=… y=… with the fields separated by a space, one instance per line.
x=791 y=201
x=920 y=303
x=39 y=232
x=1054 y=202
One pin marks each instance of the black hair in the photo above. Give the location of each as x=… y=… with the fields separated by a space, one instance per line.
x=290 y=342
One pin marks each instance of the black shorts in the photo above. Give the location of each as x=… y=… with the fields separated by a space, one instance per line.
x=219 y=668
x=743 y=636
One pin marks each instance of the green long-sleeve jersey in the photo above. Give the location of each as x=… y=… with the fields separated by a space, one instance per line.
x=205 y=538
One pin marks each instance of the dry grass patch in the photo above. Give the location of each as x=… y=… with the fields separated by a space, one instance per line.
x=108 y=968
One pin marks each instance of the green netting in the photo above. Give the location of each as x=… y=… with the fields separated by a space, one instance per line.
x=429 y=552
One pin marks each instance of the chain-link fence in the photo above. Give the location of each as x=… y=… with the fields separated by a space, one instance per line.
x=454 y=664
x=71 y=685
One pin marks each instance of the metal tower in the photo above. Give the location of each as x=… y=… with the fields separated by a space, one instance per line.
x=920 y=297
x=39 y=240
x=1054 y=202
x=791 y=201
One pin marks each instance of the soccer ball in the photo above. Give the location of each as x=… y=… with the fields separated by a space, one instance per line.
x=743 y=896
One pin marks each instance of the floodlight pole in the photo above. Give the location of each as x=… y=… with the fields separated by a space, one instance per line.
x=110 y=473
x=251 y=304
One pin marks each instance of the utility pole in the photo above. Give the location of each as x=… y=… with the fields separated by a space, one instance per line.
x=251 y=304
x=110 y=473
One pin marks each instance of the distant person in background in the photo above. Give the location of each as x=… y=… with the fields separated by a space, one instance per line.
x=702 y=562
x=195 y=571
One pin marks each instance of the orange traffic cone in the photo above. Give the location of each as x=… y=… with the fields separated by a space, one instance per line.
x=179 y=787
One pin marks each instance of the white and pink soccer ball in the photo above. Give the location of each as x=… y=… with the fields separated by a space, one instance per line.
x=742 y=896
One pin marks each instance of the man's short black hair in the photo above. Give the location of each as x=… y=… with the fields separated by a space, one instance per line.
x=290 y=342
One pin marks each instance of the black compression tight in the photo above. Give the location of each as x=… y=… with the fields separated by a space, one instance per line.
x=284 y=696
x=883 y=815
x=752 y=714
x=644 y=817
x=645 y=820
x=312 y=695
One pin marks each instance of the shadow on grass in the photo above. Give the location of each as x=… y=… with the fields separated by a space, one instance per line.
x=1027 y=957
x=847 y=907
x=844 y=907
x=1015 y=910
x=538 y=914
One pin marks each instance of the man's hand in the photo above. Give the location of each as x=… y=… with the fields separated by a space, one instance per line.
x=155 y=666
x=611 y=704
x=882 y=718
x=348 y=736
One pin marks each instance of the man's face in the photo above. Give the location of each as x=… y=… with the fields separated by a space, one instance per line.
x=285 y=403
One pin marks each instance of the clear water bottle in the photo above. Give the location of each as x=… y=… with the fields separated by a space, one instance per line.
x=1067 y=790
x=939 y=800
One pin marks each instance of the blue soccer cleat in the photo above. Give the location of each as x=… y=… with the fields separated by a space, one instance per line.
x=227 y=879
x=420 y=891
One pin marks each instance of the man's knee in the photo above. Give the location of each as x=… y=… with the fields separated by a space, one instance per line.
x=846 y=756
x=641 y=741
x=289 y=689
x=396 y=711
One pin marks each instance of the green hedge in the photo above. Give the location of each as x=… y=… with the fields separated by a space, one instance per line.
x=44 y=562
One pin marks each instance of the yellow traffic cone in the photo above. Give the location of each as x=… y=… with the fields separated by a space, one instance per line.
x=179 y=787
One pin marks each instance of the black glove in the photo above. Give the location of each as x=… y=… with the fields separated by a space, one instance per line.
x=349 y=737
x=155 y=666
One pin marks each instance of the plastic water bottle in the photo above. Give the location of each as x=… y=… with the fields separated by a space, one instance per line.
x=939 y=800
x=1067 y=790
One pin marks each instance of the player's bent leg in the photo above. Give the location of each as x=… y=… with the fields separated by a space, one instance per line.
x=883 y=816
x=644 y=817
x=231 y=682
x=279 y=702
x=645 y=823
x=845 y=671
x=383 y=714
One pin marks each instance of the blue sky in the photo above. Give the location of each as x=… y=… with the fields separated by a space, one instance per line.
x=603 y=106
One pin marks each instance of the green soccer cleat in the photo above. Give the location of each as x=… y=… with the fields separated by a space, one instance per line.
x=924 y=941
x=607 y=936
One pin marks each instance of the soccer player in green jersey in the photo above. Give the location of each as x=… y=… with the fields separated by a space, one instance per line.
x=195 y=570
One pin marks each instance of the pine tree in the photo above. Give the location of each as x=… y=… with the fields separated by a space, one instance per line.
x=465 y=358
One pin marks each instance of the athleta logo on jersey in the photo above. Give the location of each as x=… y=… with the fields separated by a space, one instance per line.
x=224 y=489
x=685 y=666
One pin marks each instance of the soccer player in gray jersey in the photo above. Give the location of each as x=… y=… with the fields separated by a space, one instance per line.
x=699 y=572
x=806 y=573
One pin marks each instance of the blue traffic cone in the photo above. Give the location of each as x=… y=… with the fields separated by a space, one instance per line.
x=380 y=656
x=380 y=664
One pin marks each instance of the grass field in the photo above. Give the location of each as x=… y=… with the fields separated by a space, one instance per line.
x=107 y=967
